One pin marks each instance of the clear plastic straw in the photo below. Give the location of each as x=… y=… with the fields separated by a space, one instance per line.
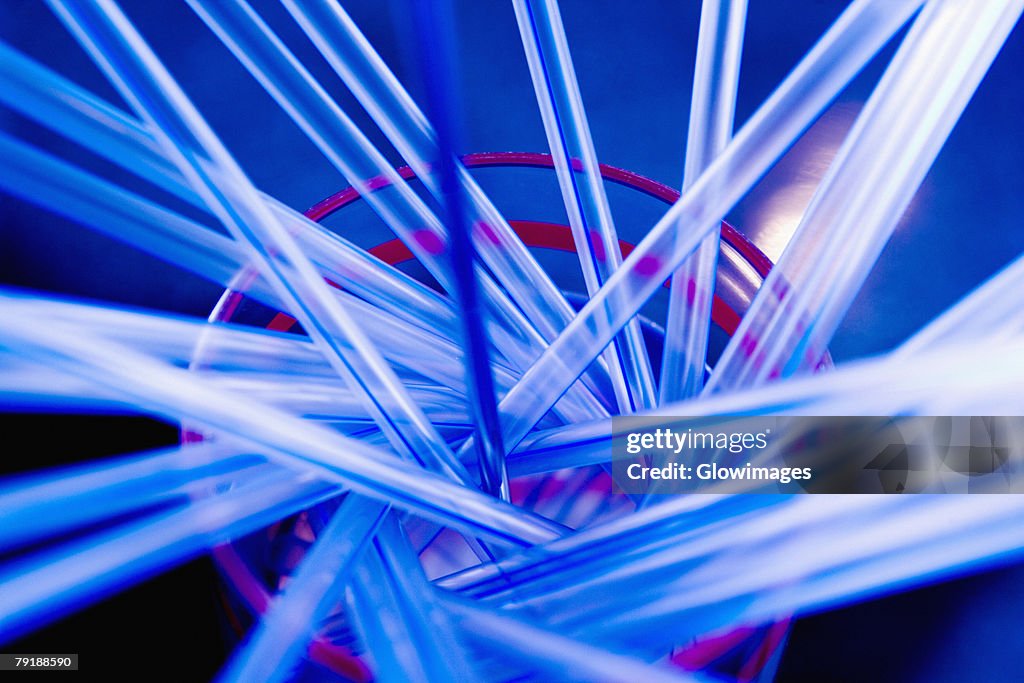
x=284 y=368
x=281 y=636
x=844 y=49
x=329 y=400
x=180 y=394
x=29 y=386
x=140 y=77
x=810 y=565
x=53 y=101
x=585 y=553
x=679 y=562
x=128 y=217
x=248 y=349
x=329 y=128
x=55 y=185
x=871 y=181
x=394 y=657
x=172 y=336
x=941 y=381
x=135 y=220
x=36 y=506
x=991 y=310
x=33 y=387
x=428 y=627
x=699 y=560
x=398 y=619
x=583 y=193
x=690 y=550
x=393 y=110
x=541 y=648
x=436 y=43
x=280 y=369
x=712 y=109
x=993 y=542
x=39 y=93
x=44 y=586
x=612 y=539
x=655 y=560
x=345 y=146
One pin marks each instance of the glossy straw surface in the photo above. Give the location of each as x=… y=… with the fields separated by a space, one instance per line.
x=712 y=109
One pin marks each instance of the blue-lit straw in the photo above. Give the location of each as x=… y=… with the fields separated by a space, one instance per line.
x=329 y=128
x=391 y=654
x=36 y=506
x=652 y=572
x=172 y=336
x=91 y=122
x=345 y=146
x=121 y=214
x=28 y=386
x=282 y=369
x=586 y=205
x=329 y=400
x=681 y=528
x=47 y=97
x=885 y=543
x=427 y=625
x=712 y=108
x=949 y=379
x=282 y=634
x=394 y=111
x=137 y=221
x=653 y=566
x=42 y=587
x=180 y=394
x=436 y=42
x=844 y=49
x=871 y=181
x=538 y=648
x=992 y=542
x=393 y=610
x=42 y=179
x=241 y=348
x=610 y=540
x=186 y=138
x=627 y=558
x=991 y=310
x=50 y=99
